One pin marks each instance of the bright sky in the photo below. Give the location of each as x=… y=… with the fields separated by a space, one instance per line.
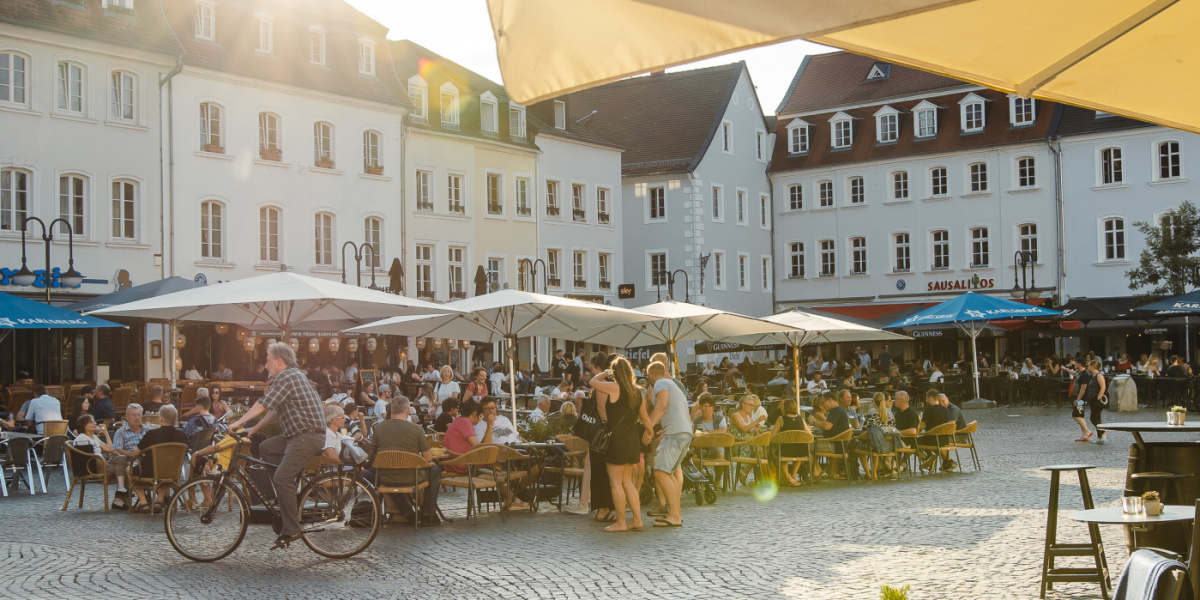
x=460 y=31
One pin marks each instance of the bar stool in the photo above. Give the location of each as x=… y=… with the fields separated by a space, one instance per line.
x=1153 y=480
x=1054 y=549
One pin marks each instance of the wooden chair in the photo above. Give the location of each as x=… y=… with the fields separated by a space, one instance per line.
x=86 y=467
x=965 y=438
x=872 y=467
x=75 y=391
x=943 y=443
x=572 y=466
x=18 y=397
x=724 y=441
x=52 y=428
x=57 y=391
x=167 y=461
x=759 y=461
x=396 y=460
x=792 y=437
x=840 y=449
x=481 y=456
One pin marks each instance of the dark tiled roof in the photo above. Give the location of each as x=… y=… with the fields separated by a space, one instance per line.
x=840 y=78
x=237 y=36
x=576 y=128
x=144 y=29
x=1079 y=121
x=666 y=121
x=997 y=131
x=411 y=58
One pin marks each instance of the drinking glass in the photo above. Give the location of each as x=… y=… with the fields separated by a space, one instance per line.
x=1133 y=505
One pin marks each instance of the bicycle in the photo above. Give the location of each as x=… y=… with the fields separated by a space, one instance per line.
x=340 y=513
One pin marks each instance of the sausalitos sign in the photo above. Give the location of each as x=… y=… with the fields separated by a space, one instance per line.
x=974 y=283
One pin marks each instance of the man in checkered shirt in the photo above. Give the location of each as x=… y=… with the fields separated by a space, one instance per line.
x=294 y=401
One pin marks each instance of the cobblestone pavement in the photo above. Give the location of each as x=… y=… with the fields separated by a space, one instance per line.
x=954 y=536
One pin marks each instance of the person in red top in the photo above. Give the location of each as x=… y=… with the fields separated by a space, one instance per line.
x=460 y=436
x=478 y=389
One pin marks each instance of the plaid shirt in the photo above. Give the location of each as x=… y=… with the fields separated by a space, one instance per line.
x=127 y=439
x=293 y=396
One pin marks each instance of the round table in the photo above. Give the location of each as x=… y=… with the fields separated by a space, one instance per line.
x=1138 y=427
x=1142 y=524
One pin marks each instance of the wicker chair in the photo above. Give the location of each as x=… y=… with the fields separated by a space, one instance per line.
x=396 y=460
x=792 y=437
x=86 y=467
x=839 y=449
x=943 y=443
x=715 y=440
x=759 y=461
x=483 y=456
x=869 y=453
x=51 y=428
x=167 y=461
x=965 y=438
x=572 y=466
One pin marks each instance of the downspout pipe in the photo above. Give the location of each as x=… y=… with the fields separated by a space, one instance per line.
x=167 y=196
x=1060 y=221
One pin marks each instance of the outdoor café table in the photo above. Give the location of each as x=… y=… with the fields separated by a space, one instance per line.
x=1112 y=515
x=1138 y=427
x=538 y=452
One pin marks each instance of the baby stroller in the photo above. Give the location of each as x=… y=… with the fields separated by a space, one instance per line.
x=698 y=482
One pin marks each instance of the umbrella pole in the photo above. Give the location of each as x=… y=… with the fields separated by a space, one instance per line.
x=174 y=350
x=975 y=359
x=796 y=367
x=674 y=359
x=512 y=379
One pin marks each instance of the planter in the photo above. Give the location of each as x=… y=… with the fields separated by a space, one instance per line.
x=323 y=164
x=214 y=148
x=274 y=155
x=1153 y=507
x=552 y=211
x=1176 y=418
x=374 y=170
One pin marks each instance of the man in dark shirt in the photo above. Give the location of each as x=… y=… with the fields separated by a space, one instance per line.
x=906 y=418
x=837 y=421
x=102 y=407
x=397 y=433
x=1177 y=368
x=574 y=373
x=935 y=414
x=449 y=414
x=166 y=433
x=260 y=373
x=558 y=367
x=321 y=380
x=154 y=403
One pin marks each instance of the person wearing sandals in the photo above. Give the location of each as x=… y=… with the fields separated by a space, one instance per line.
x=1078 y=405
x=670 y=409
x=745 y=425
x=790 y=419
x=1093 y=394
x=166 y=433
x=595 y=411
x=624 y=404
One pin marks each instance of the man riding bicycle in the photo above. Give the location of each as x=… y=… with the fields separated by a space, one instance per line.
x=294 y=400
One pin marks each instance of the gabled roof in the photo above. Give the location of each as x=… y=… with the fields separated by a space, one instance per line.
x=143 y=29
x=411 y=59
x=666 y=121
x=840 y=78
x=1081 y=121
x=576 y=129
x=236 y=31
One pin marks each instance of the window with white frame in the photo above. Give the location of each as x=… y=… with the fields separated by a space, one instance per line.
x=516 y=121
x=323 y=144
x=560 y=114
x=605 y=261
x=1111 y=167
x=268 y=234
x=71 y=86
x=972 y=113
x=796 y=260
x=487 y=113
x=418 y=92
x=579 y=268
x=1170 y=160
x=552 y=208
x=828 y=258
x=523 y=274
x=73 y=202
x=521 y=187
x=658 y=268
x=743 y=272
x=13 y=86
x=602 y=204
x=578 y=204
x=552 y=268
x=366 y=58
x=212 y=230
x=764 y=211
x=857 y=189
x=454 y=194
x=798 y=137
x=926 y=122
x=266 y=35
x=124 y=210
x=887 y=125
x=825 y=194
x=843 y=131
x=858 y=256
x=795 y=197
x=212 y=132
x=424 y=182
x=1022 y=110
x=900 y=185
x=978 y=177
x=718 y=202
x=373 y=236
x=981 y=253
x=205 y=25
x=316 y=47
x=658 y=203
x=741 y=207
x=268 y=136
x=323 y=239
x=727 y=137
x=456 y=269
x=941 y=250
x=938 y=185
x=719 y=270
x=1026 y=172
x=371 y=161
x=760 y=145
x=424 y=271
x=902 y=244
x=767 y=277
x=495 y=194
x=122 y=95
x=1114 y=238
x=495 y=273
x=14 y=199
x=449 y=104
x=1027 y=240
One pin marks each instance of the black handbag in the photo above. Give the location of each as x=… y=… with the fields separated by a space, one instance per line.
x=602 y=439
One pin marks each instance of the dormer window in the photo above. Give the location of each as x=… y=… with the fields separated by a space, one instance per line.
x=797 y=132
x=487 y=113
x=266 y=35
x=879 y=71
x=449 y=104
x=206 y=22
x=418 y=92
x=842 y=126
x=516 y=121
x=560 y=114
x=1021 y=111
x=972 y=113
x=366 y=58
x=887 y=125
x=316 y=46
x=925 y=123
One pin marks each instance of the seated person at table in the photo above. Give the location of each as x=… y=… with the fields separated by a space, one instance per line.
x=1123 y=365
x=834 y=422
x=449 y=414
x=90 y=433
x=817 y=383
x=192 y=373
x=814 y=365
x=1030 y=369
x=385 y=396
x=779 y=380
x=790 y=420
x=706 y=419
x=201 y=421
x=102 y=407
x=1151 y=369
x=563 y=421
x=335 y=418
x=223 y=373
x=460 y=439
x=166 y=433
x=40 y=409
x=502 y=430
x=396 y=432
x=542 y=412
x=355 y=423
x=907 y=419
x=893 y=382
x=850 y=381
x=80 y=405
x=498 y=378
x=562 y=391
x=155 y=402
x=935 y=414
x=936 y=376
x=1178 y=368
x=426 y=404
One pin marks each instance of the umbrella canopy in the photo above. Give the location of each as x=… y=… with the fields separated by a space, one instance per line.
x=153 y=289
x=1186 y=304
x=1132 y=58
x=282 y=299
x=19 y=313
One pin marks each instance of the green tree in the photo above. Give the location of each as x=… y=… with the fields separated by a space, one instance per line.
x=1170 y=261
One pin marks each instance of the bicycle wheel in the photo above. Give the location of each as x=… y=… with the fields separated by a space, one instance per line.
x=203 y=534
x=339 y=515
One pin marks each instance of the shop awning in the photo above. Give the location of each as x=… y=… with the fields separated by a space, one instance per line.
x=1095 y=309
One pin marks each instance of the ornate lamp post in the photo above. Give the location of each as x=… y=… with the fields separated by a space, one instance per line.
x=71 y=278
x=670 y=277
x=1024 y=286
x=533 y=271
x=359 y=252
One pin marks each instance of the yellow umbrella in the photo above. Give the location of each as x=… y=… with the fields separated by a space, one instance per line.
x=1134 y=58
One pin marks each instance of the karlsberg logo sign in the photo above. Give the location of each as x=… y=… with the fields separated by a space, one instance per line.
x=12 y=323
x=1187 y=305
x=981 y=315
x=974 y=283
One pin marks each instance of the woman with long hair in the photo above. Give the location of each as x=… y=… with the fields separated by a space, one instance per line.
x=596 y=487
x=624 y=402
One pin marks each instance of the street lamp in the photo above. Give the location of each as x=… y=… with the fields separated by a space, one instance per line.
x=532 y=273
x=71 y=278
x=1024 y=285
x=670 y=277
x=359 y=251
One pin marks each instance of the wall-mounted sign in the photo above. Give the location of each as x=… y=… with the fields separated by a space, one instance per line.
x=6 y=276
x=625 y=291
x=900 y=284
x=937 y=333
x=1154 y=330
x=974 y=283
x=200 y=278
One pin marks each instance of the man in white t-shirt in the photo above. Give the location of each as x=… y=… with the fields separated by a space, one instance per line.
x=816 y=385
x=503 y=431
x=542 y=412
x=43 y=408
x=498 y=379
x=352 y=371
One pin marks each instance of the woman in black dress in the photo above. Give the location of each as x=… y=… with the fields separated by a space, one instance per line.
x=624 y=450
x=790 y=419
x=595 y=410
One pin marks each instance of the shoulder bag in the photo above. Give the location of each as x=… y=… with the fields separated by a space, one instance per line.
x=603 y=438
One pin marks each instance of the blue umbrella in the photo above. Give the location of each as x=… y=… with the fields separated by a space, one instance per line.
x=969 y=312
x=1188 y=303
x=19 y=313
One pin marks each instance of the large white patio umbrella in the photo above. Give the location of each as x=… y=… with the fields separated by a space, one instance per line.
x=506 y=315
x=805 y=328
x=676 y=322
